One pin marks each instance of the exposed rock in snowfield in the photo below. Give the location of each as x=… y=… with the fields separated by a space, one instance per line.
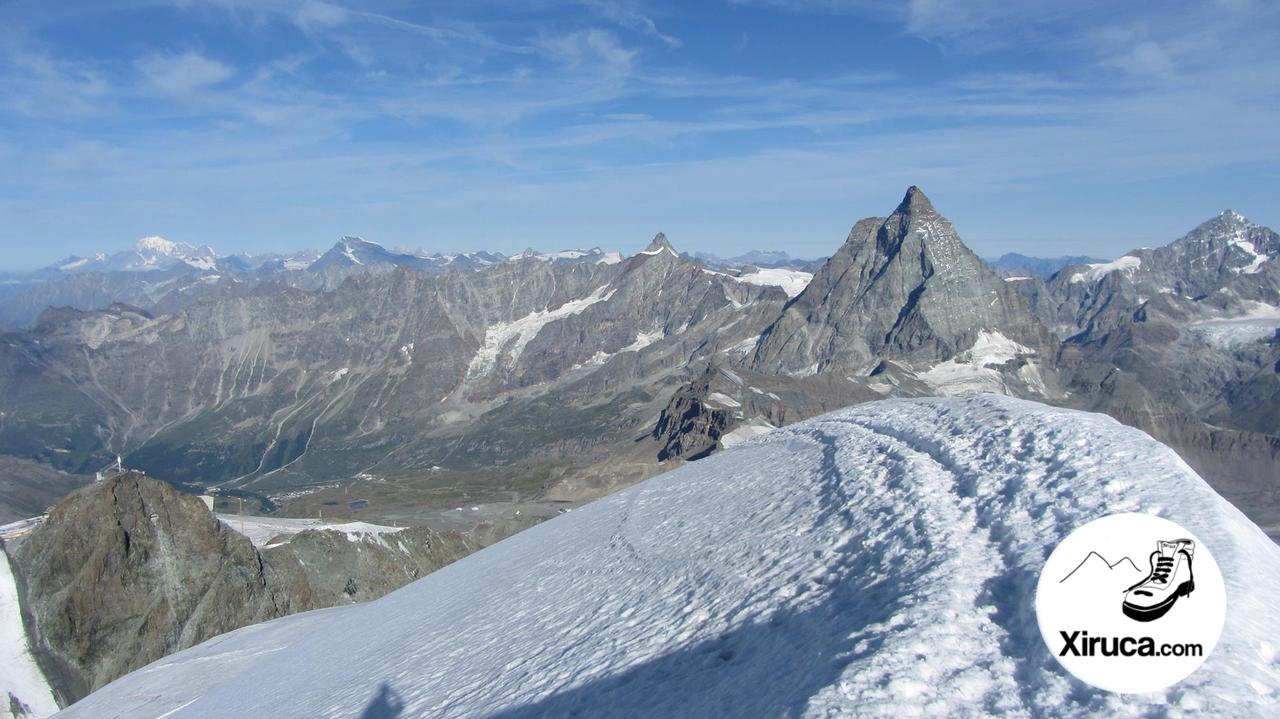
x=866 y=562
x=129 y=570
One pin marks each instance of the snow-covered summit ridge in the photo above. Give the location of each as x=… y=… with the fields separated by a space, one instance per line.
x=156 y=245
x=871 y=560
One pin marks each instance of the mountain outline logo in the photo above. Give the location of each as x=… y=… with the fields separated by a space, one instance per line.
x=1110 y=565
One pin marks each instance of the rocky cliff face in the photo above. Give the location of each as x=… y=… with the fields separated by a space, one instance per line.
x=129 y=570
x=387 y=369
x=690 y=426
x=903 y=287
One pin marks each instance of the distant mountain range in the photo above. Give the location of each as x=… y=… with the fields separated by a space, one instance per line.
x=275 y=374
x=1012 y=264
x=775 y=259
x=371 y=383
x=164 y=276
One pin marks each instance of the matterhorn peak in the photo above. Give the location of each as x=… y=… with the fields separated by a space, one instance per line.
x=904 y=288
x=659 y=244
x=914 y=203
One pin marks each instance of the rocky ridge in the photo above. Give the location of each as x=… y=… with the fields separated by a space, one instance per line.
x=129 y=570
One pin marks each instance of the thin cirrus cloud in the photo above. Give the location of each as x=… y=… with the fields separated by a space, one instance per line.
x=485 y=124
x=183 y=73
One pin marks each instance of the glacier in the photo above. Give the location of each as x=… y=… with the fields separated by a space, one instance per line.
x=879 y=560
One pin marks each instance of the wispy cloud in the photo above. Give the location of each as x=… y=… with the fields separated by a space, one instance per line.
x=477 y=122
x=630 y=17
x=34 y=82
x=181 y=74
x=587 y=48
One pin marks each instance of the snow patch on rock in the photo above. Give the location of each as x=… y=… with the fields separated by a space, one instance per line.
x=262 y=530
x=1241 y=241
x=976 y=369
x=792 y=282
x=723 y=400
x=1127 y=264
x=512 y=337
x=644 y=339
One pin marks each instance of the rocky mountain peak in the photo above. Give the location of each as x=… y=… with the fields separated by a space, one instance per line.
x=1225 y=245
x=659 y=243
x=915 y=202
x=902 y=287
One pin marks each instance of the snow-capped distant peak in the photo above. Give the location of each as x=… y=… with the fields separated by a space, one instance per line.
x=354 y=241
x=156 y=245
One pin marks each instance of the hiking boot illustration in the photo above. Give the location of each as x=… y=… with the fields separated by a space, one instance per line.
x=1169 y=579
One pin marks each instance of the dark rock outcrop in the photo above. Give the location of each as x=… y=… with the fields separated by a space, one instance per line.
x=130 y=570
x=689 y=428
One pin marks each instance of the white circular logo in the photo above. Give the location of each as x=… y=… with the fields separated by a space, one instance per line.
x=1131 y=603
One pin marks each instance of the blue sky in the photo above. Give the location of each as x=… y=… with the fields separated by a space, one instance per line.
x=254 y=125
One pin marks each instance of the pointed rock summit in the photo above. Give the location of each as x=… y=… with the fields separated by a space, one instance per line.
x=914 y=201
x=905 y=288
x=659 y=244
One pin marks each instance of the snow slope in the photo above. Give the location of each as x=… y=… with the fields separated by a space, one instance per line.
x=792 y=282
x=879 y=560
x=20 y=677
x=976 y=370
x=262 y=530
